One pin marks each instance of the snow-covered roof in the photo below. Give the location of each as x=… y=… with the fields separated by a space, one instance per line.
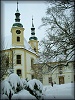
x=6 y=44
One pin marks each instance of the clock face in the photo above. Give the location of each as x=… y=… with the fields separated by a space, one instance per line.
x=18 y=31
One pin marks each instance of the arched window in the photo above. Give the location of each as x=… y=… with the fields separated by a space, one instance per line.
x=18 y=39
x=19 y=72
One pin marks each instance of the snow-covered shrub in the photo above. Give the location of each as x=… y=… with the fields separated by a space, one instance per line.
x=35 y=87
x=6 y=88
x=35 y=84
x=15 y=82
x=4 y=97
x=24 y=82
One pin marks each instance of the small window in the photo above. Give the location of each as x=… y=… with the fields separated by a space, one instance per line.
x=18 y=39
x=19 y=73
x=50 y=79
x=18 y=57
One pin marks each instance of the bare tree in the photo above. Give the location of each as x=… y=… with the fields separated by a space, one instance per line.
x=58 y=45
x=38 y=73
x=6 y=64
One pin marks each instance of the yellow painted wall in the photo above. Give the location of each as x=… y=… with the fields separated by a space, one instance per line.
x=25 y=65
x=28 y=64
x=22 y=65
x=14 y=36
x=34 y=44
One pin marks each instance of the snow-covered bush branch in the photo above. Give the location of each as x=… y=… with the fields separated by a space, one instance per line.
x=14 y=84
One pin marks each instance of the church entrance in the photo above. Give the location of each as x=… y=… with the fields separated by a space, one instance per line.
x=61 y=80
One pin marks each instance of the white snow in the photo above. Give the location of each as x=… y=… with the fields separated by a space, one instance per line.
x=28 y=47
x=24 y=82
x=4 y=97
x=14 y=80
x=37 y=87
x=63 y=91
x=23 y=94
x=31 y=84
x=6 y=88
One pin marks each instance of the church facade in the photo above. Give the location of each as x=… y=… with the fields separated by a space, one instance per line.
x=21 y=53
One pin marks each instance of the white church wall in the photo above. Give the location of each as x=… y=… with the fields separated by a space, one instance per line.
x=68 y=74
x=45 y=80
x=55 y=78
x=69 y=77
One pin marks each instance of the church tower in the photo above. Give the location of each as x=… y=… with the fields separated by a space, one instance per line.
x=33 y=40
x=17 y=31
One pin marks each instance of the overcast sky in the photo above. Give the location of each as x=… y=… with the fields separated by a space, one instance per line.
x=27 y=9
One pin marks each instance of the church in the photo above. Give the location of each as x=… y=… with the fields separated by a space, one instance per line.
x=22 y=54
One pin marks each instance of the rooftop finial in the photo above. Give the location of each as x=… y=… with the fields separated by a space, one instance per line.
x=32 y=22
x=17 y=5
x=17 y=14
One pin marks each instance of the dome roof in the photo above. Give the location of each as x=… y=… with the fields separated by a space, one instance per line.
x=17 y=24
x=33 y=38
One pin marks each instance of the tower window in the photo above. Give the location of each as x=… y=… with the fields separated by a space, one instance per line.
x=18 y=38
x=18 y=57
x=19 y=73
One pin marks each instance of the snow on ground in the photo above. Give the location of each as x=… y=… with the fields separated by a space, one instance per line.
x=23 y=94
x=63 y=91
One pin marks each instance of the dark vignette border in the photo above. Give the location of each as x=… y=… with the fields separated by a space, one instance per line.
x=38 y=1
x=0 y=48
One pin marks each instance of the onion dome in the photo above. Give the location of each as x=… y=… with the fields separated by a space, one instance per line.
x=17 y=19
